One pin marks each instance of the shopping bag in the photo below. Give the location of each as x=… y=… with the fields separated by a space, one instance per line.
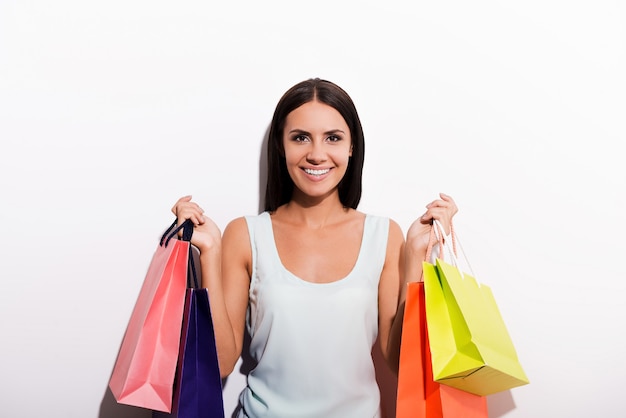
x=418 y=395
x=198 y=383
x=469 y=341
x=144 y=370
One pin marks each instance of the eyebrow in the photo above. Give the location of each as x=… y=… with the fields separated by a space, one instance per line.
x=302 y=131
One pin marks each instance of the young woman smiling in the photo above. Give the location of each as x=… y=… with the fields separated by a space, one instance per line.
x=313 y=280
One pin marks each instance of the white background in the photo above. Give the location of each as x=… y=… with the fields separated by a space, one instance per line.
x=110 y=111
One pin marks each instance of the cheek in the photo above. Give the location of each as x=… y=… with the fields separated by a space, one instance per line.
x=344 y=155
x=291 y=157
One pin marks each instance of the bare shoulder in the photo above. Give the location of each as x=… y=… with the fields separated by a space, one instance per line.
x=236 y=247
x=396 y=236
x=395 y=245
x=237 y=228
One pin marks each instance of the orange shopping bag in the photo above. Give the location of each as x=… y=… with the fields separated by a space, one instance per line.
x=144 y=371
x=419 y=396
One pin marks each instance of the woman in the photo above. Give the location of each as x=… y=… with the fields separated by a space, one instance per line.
x=313 y=280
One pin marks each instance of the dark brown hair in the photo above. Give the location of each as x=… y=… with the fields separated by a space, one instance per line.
x=279 y=184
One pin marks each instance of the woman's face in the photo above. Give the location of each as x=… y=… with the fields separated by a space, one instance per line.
x=317 y=146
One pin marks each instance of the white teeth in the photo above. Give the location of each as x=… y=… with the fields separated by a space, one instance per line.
x=316 y=172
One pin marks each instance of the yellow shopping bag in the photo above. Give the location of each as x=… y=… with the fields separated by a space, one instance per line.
x=470 y=344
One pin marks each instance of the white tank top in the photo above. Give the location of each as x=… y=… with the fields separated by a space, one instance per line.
x=312 y=342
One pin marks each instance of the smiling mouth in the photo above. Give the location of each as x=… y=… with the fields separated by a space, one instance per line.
x=316 y=172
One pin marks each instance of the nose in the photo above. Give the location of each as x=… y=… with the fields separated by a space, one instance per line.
x=316 y=154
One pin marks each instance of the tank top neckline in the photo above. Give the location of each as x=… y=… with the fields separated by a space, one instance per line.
x=297 y=278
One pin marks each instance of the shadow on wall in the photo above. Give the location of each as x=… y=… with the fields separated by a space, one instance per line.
x=109 y=408
x=263 y=170
x=387 y=382
x=500 y=404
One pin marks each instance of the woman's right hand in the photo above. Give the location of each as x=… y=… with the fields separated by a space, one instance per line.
x=206 y=234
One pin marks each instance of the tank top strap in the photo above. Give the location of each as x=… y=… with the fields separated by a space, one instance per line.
x=259 y=229
x=374 y=247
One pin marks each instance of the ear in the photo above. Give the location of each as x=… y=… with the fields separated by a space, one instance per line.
x=350 y=154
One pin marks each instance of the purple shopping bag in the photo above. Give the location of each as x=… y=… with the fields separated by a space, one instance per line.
x=198 y=384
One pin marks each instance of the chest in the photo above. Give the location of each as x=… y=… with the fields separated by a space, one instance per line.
x=319 y=256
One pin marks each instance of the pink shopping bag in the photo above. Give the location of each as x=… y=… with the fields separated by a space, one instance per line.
x=144 y=371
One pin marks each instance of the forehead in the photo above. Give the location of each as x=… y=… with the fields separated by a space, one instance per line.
x=315 y=115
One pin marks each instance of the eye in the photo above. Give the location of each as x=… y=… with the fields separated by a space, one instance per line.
x=300 y=138
x=333 y=138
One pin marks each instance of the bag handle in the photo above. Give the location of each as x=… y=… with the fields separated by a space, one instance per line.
x=436 y=235
x=173 y=231
x=452 y=247
x=192 y=268
x=432 y=239
x=431 y=242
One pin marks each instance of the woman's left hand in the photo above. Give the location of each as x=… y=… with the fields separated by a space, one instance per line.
x=443 y=210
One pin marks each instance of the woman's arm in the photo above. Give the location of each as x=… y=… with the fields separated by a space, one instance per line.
x=235 y=286
x=225 y=266
x=409 y=260
x=388 y=295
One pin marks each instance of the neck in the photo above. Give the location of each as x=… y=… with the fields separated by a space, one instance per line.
x=314 y=213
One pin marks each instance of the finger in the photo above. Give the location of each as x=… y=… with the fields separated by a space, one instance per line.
x=185 y=209
x=190 y=206
x=426 y=218
x=448 y=205
x=450 y=200
x=441 y=214
x=446 y=197
x=179 y=201
x=195 y=215
x=437 y=204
